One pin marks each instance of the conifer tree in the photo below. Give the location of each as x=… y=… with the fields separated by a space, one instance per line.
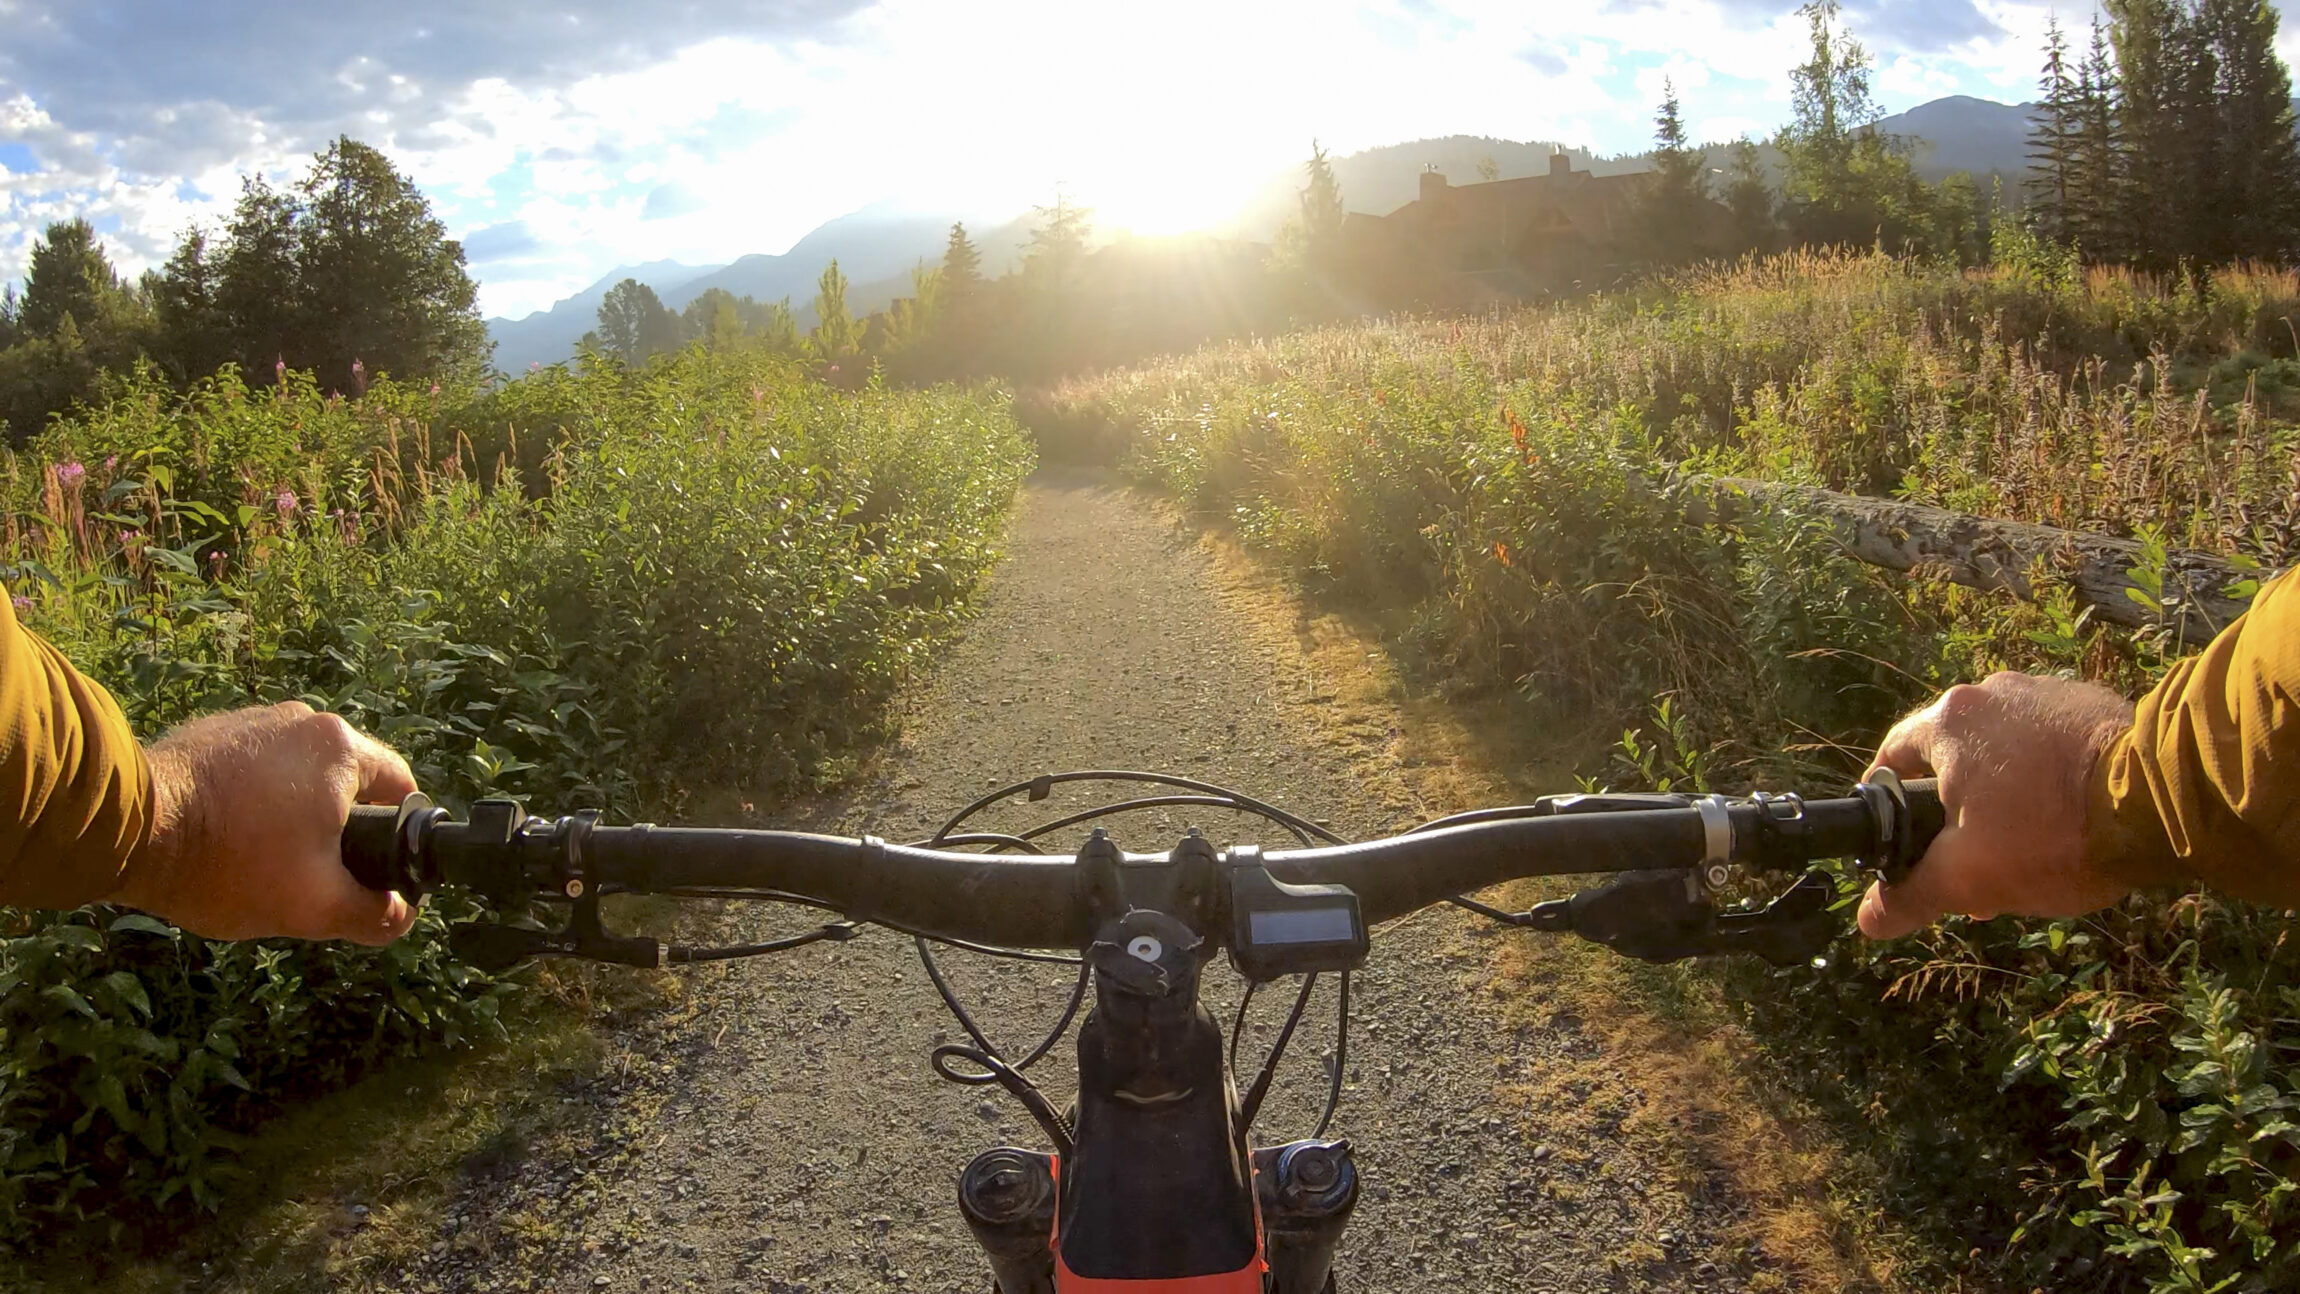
x=2052 y=141
x=69 y=278
x=835 y=339
x=1670 y=220
x=194 y=335
x=2254 y=177
x=2154 y=84
x=2097 y=191
x=1749 y=197
x=961 y=268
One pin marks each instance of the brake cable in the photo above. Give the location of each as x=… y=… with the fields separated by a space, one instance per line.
x=986 y=1054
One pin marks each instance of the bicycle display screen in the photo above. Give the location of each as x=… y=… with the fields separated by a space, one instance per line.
x=1279 y=929
x=1303 y=926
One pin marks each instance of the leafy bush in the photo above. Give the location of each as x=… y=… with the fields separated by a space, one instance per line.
x=601 y=588
x=2101 y=1096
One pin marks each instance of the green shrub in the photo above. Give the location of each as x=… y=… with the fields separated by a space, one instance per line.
x=711 y=574
x=2100 y=1103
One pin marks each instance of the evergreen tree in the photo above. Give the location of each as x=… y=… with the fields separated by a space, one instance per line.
x=961 y=268
x=11 y=314
x=835 y=340
x=69 y=278
x=1670 y=224
x=1057 y=246
x=2154 y=83
x=1309 y=254
x=2052 y=140
x=2255 y=172
x=779 y=332
x=2097 y=192
x=1749 y=197
x=193 y=334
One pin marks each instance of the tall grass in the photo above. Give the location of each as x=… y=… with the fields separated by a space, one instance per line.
x=599 y=588
x=2091 y=1102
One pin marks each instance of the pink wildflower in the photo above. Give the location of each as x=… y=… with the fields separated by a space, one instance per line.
x=111 y=461
x=279 y=370
x=285 y=502
x=21 y=602
x=69 y=472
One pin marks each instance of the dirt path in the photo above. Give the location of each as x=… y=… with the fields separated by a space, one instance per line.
x=780 y=1132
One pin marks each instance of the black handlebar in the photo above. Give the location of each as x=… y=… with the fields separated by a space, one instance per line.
x=1032 y=902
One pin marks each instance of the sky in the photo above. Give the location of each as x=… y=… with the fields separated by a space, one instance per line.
x=559 y=139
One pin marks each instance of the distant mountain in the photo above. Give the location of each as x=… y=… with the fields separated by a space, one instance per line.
x=1949 y=135
x=876 y=248
x=878 y=245
x=874 y=243
x=548 y=336
x=1977 y=136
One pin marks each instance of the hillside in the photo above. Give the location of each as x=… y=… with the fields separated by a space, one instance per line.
x=878 y=245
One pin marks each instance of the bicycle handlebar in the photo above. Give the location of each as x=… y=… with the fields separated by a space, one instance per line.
x=1032 y=902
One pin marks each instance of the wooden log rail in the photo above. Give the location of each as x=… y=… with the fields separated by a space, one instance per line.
x=1984 y=554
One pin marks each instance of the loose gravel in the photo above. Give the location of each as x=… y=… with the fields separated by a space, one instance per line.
x=778 y=1129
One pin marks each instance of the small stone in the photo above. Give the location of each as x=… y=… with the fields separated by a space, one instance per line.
x=601 y=1281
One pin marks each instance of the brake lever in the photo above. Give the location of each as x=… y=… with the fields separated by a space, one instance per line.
x=1655 y=917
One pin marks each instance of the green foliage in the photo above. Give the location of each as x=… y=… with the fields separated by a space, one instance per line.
x=1672 y=222
x=348 y=275
x=2079 y=1104
x=601 y=587
x=634 y=325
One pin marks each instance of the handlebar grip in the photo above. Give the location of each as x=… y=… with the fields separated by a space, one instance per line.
x=1926 y=818
x=371 y=845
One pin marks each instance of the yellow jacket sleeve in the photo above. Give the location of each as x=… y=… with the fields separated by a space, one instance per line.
x=75 y=793
x=2206 y=784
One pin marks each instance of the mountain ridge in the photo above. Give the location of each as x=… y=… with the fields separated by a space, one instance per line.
x=876 y=246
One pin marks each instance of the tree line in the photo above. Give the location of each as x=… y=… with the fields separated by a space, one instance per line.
x=2167 y=141
x=346 y=274
x=1066 y=304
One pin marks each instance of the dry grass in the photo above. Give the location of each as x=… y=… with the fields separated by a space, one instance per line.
x=1674 y=1071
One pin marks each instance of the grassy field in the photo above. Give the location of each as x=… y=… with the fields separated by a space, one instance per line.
x=608 y=588
x=2087 y=1102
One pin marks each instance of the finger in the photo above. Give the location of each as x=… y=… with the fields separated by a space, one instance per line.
x=1951 y=877
x=384 y=777
x=1908 y=748
x=345 y=909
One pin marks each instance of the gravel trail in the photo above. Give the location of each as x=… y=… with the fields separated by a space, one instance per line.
x=780 y=1130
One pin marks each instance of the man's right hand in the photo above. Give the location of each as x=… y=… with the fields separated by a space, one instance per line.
x=2015 y=757
x=247 y=837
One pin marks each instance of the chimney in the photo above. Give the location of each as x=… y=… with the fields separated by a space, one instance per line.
x=1433 y=182
x=1560 y=164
